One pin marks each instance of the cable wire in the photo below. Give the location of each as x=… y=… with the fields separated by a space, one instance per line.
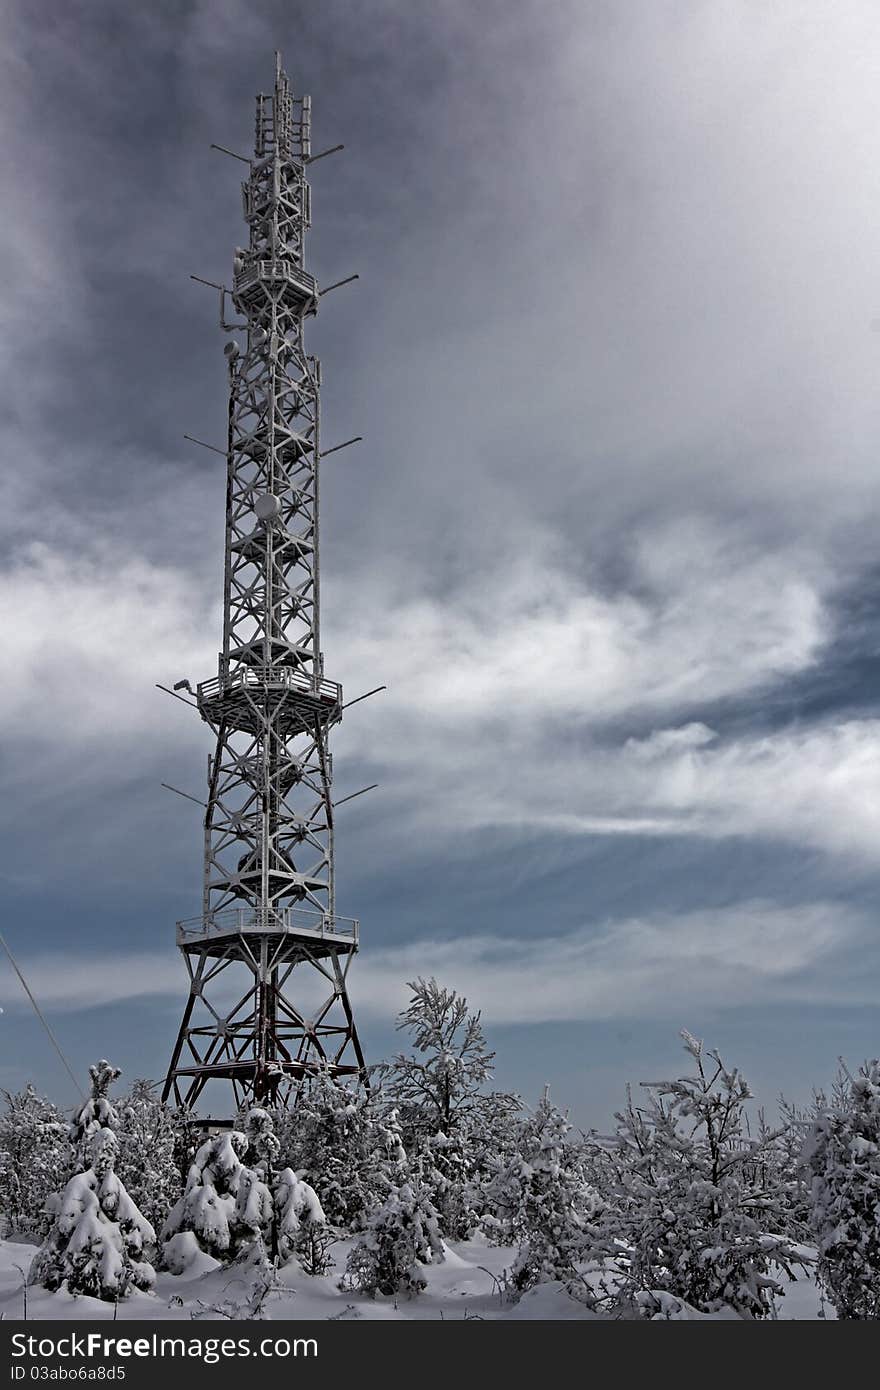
x=38 y=1012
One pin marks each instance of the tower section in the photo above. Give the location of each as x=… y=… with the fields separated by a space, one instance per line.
x=268 y=956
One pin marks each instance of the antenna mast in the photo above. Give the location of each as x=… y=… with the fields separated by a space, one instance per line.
x=268 y=956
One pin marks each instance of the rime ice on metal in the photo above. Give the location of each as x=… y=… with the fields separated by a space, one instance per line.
x=268 y=916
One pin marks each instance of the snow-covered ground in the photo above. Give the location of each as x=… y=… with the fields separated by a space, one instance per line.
x=464 y=1285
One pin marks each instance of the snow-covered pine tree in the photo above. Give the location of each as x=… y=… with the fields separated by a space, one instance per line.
x=254 y=1215
x=300 y=1224
x=34 y=1161
x=842 y=1159
x=437 y=1089
x=459 y=1171
x=99 y=1243
x=402 y=1231
x=263 y=1148
x=686 y=1219
x=444 y=1112
x=98 y=1111
x=401 y=1237
x=776 y=1166
x=151 y=1137
x=540 y=1199
x=206 y=1218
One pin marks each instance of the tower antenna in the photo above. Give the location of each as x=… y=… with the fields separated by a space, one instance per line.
x=268 y=956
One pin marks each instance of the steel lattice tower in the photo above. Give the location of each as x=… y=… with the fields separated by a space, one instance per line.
x=268 y=917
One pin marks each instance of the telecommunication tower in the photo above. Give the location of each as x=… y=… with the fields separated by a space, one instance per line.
x=268 y=956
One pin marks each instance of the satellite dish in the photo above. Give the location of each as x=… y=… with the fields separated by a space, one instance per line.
x=231 y=350
x=267 y=507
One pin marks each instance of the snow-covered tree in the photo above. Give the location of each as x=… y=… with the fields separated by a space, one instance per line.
x=35 y=1161
x=207 y=1217
x=346 y=1143
x=334 y=1139
x=100 y=1242
x=438 y=1088
x=685 y=1216
x=402 y=1232
x=151 y=1138
x=401 y=1237
x=254 y=1214
x=98 y=1111
x=541 y=1199
x=452 y=1129
x=264 y=1147
x=444 y=1165
x=842 y=1159
x=300 y=1224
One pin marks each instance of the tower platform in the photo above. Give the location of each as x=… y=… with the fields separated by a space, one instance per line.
x=242 y=699
x=275 y=280
x=211 y=934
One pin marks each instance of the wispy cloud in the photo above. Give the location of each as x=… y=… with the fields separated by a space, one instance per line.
x=511 y=697
x=655 y=966
x=697 y=616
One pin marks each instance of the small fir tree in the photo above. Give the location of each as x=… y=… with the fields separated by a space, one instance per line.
x=334 y=1140
x=263 y=1148
x=207 y=1218
x=98 y=1111
x=100 y=1242
x=401 y=1237
x=151 y=1136
x=540 y=1199
x=300 y=1224
x=439 y=1087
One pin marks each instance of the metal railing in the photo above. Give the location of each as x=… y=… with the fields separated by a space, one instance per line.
x=295 y=921
x=275 y=270
x=277 y=677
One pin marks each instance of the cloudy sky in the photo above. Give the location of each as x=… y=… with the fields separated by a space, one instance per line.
x=610 y=540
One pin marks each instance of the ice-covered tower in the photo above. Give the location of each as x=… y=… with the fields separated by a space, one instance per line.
x=268 y=957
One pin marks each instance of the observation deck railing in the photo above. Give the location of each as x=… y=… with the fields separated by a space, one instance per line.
x=276 y=677
x=289 y=921
x=276 y=271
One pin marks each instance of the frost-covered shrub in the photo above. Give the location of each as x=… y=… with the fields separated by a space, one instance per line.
x=99 y=1243
x=776 y=1166
x=842 y=1159
x=208 y=1217
x=300 y=1224
x=401 y=1236
x=685 y=1215
x=35 y=1161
